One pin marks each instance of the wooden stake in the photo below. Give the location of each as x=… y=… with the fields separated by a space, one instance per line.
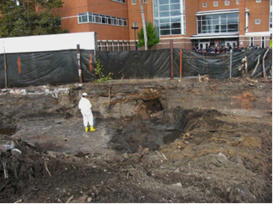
x=79 y=63
x=181 y=64
x=264 y=64
x=171 y=48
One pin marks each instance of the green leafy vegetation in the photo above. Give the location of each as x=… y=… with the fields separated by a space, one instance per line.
x=99 y=73
x=30 y=17
x=151 y=36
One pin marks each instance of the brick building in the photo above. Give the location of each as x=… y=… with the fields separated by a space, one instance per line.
x=189 y=23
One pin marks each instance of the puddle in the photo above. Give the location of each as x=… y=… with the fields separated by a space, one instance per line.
x=171 y=137
x=7 y=131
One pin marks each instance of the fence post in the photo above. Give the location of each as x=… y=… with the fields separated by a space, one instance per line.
x=230 y=64
x=79 y=63
x=181 y=64
x=5 y=65
x=171 y=47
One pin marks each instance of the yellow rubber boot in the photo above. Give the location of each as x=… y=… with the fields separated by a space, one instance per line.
x=86 y=129
x=92 y=129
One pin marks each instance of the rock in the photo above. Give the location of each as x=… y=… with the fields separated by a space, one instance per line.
x=16 y=152
x=177 y=184
x=89 y=200
x=241 y=194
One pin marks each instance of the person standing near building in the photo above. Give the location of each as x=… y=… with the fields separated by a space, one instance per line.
x=85 y=107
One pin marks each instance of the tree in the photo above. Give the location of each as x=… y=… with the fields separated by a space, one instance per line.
x=30 y=17
x=151 y=35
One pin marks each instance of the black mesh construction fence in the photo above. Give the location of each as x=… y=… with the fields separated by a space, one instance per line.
x=25 y=69
x=60 y=67
x=218 y=66
x=136 y=64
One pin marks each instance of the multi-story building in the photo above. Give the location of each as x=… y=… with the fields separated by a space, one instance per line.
x=188 y=23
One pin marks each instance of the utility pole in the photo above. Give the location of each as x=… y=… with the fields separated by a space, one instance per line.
x=144 y=24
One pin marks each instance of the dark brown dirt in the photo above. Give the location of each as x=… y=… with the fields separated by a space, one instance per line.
x=195 y=155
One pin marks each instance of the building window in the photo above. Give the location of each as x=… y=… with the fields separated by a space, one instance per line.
x=133 y=2
x=101 y=19
x=270 y=22
x=204 y=5
x=227 y=3
x=262 y=42
x=113 y=46
x=218 y=23
x=271 y=19
x=257 y=21
x=106 y=44
x=258 y=1
x=145 y=1
x=215 y=3
x=251 y=41
x=169 y=17
x=100 y=46
x=237 y=2
x=120 y=1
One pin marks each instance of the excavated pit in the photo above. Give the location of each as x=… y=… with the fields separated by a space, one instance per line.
x=200 y=143
x=154 y=132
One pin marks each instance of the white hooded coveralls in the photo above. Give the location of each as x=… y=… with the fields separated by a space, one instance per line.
x=85 y=107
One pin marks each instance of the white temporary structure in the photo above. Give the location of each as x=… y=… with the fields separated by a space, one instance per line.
x=43 y=43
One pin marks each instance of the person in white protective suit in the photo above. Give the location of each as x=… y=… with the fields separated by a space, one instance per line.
x=85 y=107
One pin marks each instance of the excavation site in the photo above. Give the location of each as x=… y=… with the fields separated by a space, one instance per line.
x=155 y=141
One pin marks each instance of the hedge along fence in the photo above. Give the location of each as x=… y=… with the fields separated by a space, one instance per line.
x=60 y=67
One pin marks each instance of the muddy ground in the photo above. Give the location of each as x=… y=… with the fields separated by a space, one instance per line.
x=156 y=141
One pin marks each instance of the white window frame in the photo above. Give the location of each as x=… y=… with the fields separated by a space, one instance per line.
x=97 y=19
x=215 y=3
x=227 y=3
x=262 y=39
x=133 y=2
x=99 y=45
x=120 y=1
x=113 y=46
x=250 y=41
x=106 y=44
x=237 y=2
x=204 y=5
x=257 y=21
x=167 y=19
x=258 y=1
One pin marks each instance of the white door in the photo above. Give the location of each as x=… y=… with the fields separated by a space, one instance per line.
x=204 y=45
x=232 y=43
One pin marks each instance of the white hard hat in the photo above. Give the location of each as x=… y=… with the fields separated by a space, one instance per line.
x=84 y=94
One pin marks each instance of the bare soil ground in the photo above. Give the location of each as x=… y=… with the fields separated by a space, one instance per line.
x=220 y=151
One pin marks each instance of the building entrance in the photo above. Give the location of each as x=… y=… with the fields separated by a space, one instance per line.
x=204 y=45
x=232 y=43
